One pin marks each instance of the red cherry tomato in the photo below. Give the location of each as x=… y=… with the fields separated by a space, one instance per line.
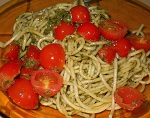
x=46 y=82
x=112 y=30
x=63 y=30
x=8 y=72
x=10 y=52
x=89 y=31
x=32 y=58
x=31 y=63
x=128 y=98
x=107 y=54
x=122 y=47
x=22 y=93
x=26 y=72
x=33 y=52
x=80 y=14
x=139 y=42
x=52 y=57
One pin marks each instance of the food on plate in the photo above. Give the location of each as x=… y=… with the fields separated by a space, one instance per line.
x=112 y=30
x=52 y=57
x=88 y=68
x=89 y=31
x=8 y=72
x=63 y=29
x=80 y=14
x=128 y=97
x=139 y=42
x=46 y=82
x=23 y=94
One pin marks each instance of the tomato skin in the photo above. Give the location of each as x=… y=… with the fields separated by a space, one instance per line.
x=80 y=14
x=139 y=42
x=128 y=98
x=22 y=93
x=89 y=31
x=107 y=54
x=63 y=30
x=46 y=82
x=31 y=63
x=52 y=57
x=33 y=52
x=26 y=72
x=32 y=59
x=8 y=72
x=112 y=30
x=10 y=52
x=122 y=47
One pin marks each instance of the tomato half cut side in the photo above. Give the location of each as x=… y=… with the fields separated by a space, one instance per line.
x=22 y=93
x=52 y=57
x=112 y=30
x=139 y=42
x=128 y=98
x=46 y=82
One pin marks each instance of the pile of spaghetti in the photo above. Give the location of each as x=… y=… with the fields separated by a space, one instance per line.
x=88 y=80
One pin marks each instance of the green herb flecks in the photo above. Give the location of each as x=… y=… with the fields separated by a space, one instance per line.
x=53 y=21
x=6 y=82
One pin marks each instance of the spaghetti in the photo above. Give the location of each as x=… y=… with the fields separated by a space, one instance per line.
x=89 y=82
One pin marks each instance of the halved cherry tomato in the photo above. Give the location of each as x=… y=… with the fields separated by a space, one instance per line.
x=63 y=30
x=89 y=31
x=22 y=93
x=46 y=82
x=80 y=14
x=52 y=57
x=10 y=52
x=139 y=42
x=33 y=52
x=112 y=30
x=8 y=72
x=107 y=54
x=128 y=98
x=122 y=47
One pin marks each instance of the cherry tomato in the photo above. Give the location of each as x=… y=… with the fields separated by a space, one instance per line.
x=10 y=52
x=112 y=30
x=128 y=98
x=63 y=30
x=32 y=58
x=139 y=42
x=89 y=31
x=107 y=54
x=22 y=93
x=122 y=47
x=31 y=63
x=46 y=82
x=8 y=72
x=33 y=52
x=80 y=14
x=26 y=72
x=52 y=57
